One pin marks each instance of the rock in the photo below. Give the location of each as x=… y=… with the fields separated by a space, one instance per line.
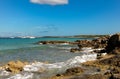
x=116 y=76
x=101 y=55
x=115 y=70
x=80 y=46
x=100 y=42
x=95 y=43
x=73 y=71
x=84 y=43
x=113 y=61
x=53 y=42
x=97 y=76
x=74 y=50
x=15 y=67
x=116 y=50
x=113 y=42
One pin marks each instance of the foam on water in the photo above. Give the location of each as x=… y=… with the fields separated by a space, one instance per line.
x=4 y=73
x=22 y=76
x=40 y=67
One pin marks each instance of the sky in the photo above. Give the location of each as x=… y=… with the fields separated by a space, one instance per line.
x=59 y=17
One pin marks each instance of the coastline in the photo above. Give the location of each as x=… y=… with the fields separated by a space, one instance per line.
x=90 y=61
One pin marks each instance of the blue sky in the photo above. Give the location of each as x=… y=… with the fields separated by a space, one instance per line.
x=59 y=17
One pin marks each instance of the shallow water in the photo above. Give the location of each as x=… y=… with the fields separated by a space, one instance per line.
x=26 y=50
x=59 y=56
x=38 y=70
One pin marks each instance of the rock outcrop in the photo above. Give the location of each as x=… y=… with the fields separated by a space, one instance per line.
x=74 y=50
x=113 y=45
x=15 y=66
x=74 y=71
x=68 y=73
x=53 y=42
x=108 y=66
x=95 y=43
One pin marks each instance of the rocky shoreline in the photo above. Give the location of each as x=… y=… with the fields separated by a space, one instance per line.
x=107 y=66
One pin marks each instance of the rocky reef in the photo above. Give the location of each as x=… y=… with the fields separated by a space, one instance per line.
x=53 y=42
x=107 y=67
x=100 y=42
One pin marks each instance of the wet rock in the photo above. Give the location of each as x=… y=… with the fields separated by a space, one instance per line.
x=98 y=43
x=101 y=55
x=15 y=66
x=74 y=50
x=53 y=42
x=73 y=71
x=97 y=76
x=83 y=43
x=95 y=43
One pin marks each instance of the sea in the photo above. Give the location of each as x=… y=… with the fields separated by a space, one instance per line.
x=26 y=49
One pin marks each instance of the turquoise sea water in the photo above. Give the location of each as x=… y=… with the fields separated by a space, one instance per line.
x=59 y=57
x=26 y=50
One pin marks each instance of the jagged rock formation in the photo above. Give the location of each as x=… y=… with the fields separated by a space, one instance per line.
x=113 y=45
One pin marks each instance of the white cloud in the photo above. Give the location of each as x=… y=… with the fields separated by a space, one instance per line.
x=50 y=2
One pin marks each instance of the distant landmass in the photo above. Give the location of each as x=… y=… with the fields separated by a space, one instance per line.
x=74 y=36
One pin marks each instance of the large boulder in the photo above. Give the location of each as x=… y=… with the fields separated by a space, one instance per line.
x=113 y=42
x=15 y=66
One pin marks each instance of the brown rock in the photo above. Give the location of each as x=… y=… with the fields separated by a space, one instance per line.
x=113 y=42
x=116 y=50
x=95 y=43
x=97 y=76
x=15 y=67
x=53 y=42
x=74 y=50
x=73 y=71
x=116 y=76
x=113 y=61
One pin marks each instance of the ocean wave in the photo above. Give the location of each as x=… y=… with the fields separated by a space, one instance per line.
x=46 y=68
x=34 y=67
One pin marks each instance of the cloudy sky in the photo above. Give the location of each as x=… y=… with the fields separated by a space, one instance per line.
x=59 y=17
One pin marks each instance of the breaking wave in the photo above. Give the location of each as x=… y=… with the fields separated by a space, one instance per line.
x=38 y=70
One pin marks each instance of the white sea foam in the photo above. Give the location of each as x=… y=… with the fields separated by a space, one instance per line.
x=64 y=44
x=4 y=73
x=87 y=50
x=35 y=67
x=22 y=76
